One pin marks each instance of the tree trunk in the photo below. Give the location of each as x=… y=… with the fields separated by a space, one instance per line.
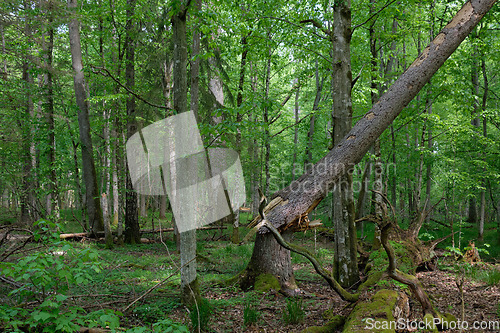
x=27 y=204
x=304 y=194
x=195 y=65
x=473 y=215
x=345 y=259
x=269 y=257
x=189 y=282
x=132 y=230
x=254 y=153
x=296 y=133
x=308 y=159
x=376 y=91
x=235 y=238
x=53 y=201
x=483 y=192
x=89 y=172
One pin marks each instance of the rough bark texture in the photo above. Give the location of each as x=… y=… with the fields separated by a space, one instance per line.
x=132 y=229
x=89 y=172
x=345 y=260
x=269 y=257
x=189 y=286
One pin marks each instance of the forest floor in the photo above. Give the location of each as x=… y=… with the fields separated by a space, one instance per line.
x=129 y=271
x=481 y=304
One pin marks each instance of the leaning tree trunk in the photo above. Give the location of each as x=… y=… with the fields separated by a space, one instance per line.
x=89 y=172
x=304 y=194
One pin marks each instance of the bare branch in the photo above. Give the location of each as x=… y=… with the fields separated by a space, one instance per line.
x=130 y=91
x=294 y=124
x=374 y=14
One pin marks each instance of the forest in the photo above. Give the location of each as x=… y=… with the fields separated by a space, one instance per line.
x=250 y=166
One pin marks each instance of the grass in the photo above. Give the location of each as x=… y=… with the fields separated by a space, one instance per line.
x=250 y=315
x=294 y=311
x=201 y=314
x=490 y=276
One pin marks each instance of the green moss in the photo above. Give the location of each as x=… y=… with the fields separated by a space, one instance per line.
x=379 y=309
x=266 y=282
x=371 y=280
x=447 y=321
x=404 y=258
x=429 y=318
x=335 y=322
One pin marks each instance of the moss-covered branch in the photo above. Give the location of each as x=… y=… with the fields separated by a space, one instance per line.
x=344 y=294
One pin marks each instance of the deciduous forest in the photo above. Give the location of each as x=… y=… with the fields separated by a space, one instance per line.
x=368 y=134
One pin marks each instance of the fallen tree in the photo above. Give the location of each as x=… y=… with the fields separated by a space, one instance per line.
x=305 y=193
x=145 y=231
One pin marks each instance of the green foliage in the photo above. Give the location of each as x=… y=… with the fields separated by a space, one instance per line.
x=200 y=314
x=294 y=312
x=149 y=313
x=404 y=263
x=167 y=325
x=251 y=313
x=104 y=318
x=52 y=270
x=490 y=276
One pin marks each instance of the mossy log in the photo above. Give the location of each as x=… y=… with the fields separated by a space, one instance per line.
x=384 y=309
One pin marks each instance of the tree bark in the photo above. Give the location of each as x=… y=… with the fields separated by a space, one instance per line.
x=235 y=237
x=53 y=201
x=269 y=257
x=310 y=134
x=132 y=230
x=27 y=204
x=345 y=259
x=189 y=282
x=482 y=210
x=89 y=171
x=296 y=132
x=304 y=194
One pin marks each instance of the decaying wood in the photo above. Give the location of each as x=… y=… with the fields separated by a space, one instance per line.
x=145 y=231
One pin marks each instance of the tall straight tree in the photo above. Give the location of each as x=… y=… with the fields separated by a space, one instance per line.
x=53 y=195
x=132 y=230
x=27 y=195
x=89 y=171
x=345 y=259
x=189 y=283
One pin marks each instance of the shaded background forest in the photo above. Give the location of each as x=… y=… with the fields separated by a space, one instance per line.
x=265 y=88
x=274 y=82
